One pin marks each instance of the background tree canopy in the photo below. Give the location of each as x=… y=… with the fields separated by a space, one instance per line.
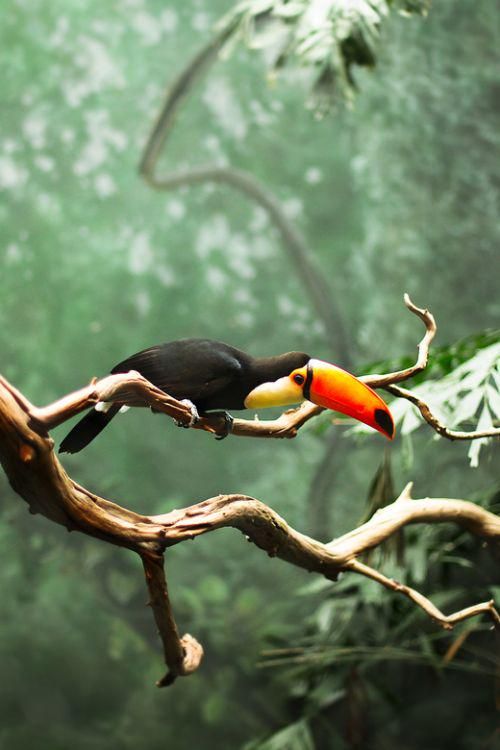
x=397 y=192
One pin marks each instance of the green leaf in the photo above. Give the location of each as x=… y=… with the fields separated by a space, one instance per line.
x=495 y=593
x=493 y=399
x=468 y=406
x=456 y=560
x=485 y=423
x=294 y=737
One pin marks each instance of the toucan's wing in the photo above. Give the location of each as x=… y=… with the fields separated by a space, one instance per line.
x=198 y=369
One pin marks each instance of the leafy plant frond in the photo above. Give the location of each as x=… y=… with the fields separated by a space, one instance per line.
x=327 y=38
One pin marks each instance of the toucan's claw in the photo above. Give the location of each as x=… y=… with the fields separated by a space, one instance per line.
x=194 y=414
x=228 y=426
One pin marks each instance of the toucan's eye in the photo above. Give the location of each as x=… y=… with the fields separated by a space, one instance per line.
x=299 y=379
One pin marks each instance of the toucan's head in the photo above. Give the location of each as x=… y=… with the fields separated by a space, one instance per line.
x=329 y=386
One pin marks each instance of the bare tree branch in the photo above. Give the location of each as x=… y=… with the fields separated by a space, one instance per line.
x=28 y=458
x=132 y=389
x=389 y=519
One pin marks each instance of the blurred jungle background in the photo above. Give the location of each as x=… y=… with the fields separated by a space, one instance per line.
x=394 y=188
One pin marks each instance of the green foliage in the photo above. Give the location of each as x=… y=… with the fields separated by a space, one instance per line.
x=461 y=385
x=327 y=39
x=469 y=396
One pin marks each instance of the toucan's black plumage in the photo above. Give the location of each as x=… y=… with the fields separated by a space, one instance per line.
x=210 y=374
x=213 y=375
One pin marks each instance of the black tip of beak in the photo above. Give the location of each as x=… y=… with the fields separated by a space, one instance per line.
x=384 y=421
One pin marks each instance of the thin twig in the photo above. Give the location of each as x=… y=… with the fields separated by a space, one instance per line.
x=380 y=381
x=434 y=422
x=446 y=621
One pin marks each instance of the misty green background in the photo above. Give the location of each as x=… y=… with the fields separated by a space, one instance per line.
x=399 y=193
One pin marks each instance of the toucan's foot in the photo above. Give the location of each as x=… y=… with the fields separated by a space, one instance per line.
x=228 y=426
x=194 y=414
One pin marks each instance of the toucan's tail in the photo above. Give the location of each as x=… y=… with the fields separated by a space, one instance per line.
x=87 y=429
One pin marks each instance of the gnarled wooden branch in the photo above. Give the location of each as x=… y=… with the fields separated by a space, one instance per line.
x=35 y=473
x=27 y=455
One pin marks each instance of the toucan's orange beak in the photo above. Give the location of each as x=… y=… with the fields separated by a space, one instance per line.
x=329 y=386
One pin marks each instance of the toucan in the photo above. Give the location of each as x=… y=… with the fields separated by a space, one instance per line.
x=211 y=375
